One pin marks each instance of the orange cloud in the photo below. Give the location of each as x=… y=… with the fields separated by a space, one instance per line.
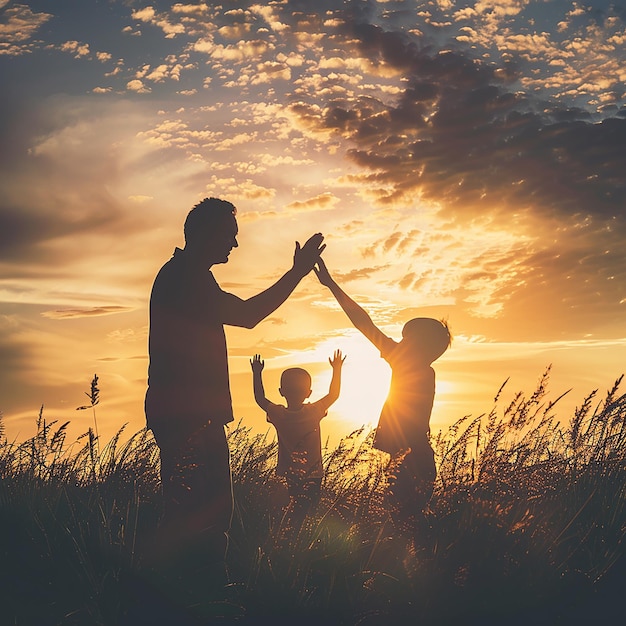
x=62 y=314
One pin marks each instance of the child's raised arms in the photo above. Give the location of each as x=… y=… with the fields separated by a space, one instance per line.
x=356 y=314
x=336 y=362
x=257 y=364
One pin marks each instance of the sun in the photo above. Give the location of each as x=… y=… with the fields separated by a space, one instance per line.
x=364 y=383
x=365 y=386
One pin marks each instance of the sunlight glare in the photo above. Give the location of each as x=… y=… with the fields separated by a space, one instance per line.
x=364 y=382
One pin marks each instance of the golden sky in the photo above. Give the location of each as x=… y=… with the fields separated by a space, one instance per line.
x=464 y=160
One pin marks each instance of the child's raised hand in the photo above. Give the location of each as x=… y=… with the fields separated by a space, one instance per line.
x=321 y=271
x=337 y=361
x=257 y=363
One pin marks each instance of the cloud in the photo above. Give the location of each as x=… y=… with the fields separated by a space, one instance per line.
x=237 y=190
x=270 y=71
x=397 y=241
x=190 y=9
x=160 y=20
x=16 y=364
x=76 y=49
x=57 y=175
x=128 y=335
x=24 y=229
x=241 y=51
x=464 y=139
x=18 y=24
x=268 y=13
x=276 y=160
x=62 y=314
x=137 y=86
x=323 y=201
x=140 y=199
x=457 y=131
x=144 y=15
x=475 y=114
x=276 y=321
x=360 y=273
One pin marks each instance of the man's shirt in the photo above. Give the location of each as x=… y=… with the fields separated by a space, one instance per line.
x=188 y=382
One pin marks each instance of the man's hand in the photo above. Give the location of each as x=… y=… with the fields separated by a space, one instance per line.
x=321 y=271
x=257 y=364
x=337 y=361
x=305 y=257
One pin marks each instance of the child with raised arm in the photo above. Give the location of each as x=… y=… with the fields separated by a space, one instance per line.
x=298 y=429
x=404 y=425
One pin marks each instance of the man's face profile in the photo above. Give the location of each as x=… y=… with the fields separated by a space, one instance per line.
x=222 y=240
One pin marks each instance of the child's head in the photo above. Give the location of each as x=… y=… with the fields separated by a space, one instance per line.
x=429 y=336
x=295 y=385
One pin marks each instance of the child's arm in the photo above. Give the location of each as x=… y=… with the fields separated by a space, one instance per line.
x=357 y=315
x=257 y=365
x=335 y=383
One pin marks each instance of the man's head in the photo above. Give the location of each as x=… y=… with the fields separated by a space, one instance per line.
x=295 y=385
x=430 y=337
x=211 y=230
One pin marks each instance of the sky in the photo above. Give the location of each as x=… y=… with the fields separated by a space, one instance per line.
x=464 y=160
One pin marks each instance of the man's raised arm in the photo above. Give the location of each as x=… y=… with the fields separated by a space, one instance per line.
x=248 y=313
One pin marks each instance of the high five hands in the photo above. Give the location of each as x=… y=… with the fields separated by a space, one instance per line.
x=322 y=273
x=305 y=257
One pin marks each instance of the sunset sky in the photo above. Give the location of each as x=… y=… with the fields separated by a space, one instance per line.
x=464 y=160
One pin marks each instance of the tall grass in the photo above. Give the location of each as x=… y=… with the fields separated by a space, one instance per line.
x=70 y=517
x=527 y=523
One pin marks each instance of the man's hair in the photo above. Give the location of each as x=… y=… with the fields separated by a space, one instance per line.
x=207 y=216
x=296 y=379
x=432 y=336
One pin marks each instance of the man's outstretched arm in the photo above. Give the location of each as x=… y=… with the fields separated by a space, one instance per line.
x=356 y=314
x=248 y=313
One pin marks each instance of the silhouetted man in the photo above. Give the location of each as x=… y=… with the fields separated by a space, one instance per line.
x=188 y=401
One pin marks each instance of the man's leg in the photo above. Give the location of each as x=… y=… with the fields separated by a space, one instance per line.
x=312 y=491
x=189 y=552
x=210 y=491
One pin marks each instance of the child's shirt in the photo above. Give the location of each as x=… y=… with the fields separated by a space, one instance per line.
x=405 y=417
x=299 y=439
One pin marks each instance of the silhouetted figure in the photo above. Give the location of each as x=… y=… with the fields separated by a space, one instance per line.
x=188 y=402
x=298 y=429
x=404 y=425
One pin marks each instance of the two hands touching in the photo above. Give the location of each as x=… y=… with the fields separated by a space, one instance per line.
x=308 y=257
x=322 y=273
x=305 y=257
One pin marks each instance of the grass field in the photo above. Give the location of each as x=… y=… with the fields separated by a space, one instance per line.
x=526 y=526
